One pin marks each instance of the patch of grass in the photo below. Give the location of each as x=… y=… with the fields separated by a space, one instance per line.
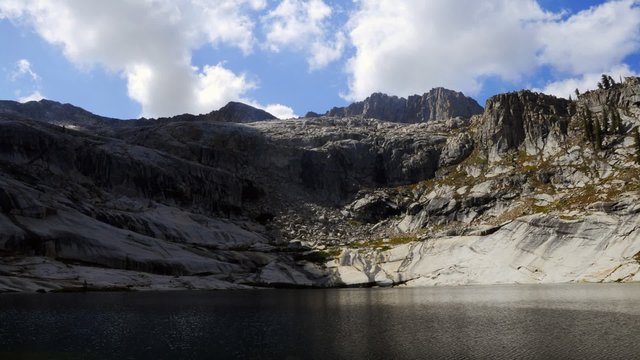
x=402 y=239
x=382 y=244
x=637 y=257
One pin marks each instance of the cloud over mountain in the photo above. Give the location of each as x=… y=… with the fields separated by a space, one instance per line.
x=150 y=43
x=398 y=47
x=404 y=47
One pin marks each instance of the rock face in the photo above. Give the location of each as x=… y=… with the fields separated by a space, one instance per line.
x=522 y=120
x=514 y=195
x=624 y=96
x=529 y=250
x=437 y=104
x=184 y=197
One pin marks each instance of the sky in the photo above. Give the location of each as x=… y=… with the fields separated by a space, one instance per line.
x=151 y=58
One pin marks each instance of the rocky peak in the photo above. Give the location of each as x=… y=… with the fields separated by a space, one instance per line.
x=239 y=113
x=521 y=120
x=437 y=104
x=442 y=104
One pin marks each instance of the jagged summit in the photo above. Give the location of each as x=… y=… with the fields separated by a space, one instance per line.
x=437 y=104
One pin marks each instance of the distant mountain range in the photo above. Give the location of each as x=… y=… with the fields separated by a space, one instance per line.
x=437 y=104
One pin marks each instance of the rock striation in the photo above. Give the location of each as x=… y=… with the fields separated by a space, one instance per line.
x=437 y=104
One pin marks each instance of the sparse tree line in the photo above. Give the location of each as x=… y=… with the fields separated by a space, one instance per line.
x=606 y=82
x=596 y=128
x=609 y=123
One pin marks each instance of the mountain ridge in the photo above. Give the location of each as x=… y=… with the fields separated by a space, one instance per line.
x=437 y=104
x=517 y=194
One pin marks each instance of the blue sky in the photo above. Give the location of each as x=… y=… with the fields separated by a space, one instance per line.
x=131 y=58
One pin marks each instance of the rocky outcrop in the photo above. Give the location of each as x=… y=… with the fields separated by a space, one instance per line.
x=529 y=250
x=457 y=148
x=625 y=95
x=437 y=104
x=624 y=98
x=522 y=120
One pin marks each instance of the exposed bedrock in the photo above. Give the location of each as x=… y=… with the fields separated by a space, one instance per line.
x=434 y=195
x=437 y=104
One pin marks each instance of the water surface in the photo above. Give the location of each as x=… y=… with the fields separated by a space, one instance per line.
x=527 y=322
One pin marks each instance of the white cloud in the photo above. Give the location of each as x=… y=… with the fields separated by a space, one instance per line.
x=22 y=68
x=567 y=87
x=405 y=47
x=35 y=96
x=595 y=39
x=150 y=43
x=280 y=111
x=208 y=89
x=303 y=25
x=323 y=53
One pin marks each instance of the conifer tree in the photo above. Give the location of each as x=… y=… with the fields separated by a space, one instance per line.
x=588 y=124
x=597 y=136
x=577 y=93
x=588 y=131
x=605 y=82
x=605 y=121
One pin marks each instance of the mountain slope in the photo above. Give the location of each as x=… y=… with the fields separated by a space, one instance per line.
x=519 y=193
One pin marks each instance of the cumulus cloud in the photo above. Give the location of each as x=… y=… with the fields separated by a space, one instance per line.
x=406 y=47
x=303 y=25
x=595 y=39
x=23 y=68
x=150 y=44
x=278 y=110
x=589 y=81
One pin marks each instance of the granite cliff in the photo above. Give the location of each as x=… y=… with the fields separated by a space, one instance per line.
x=437 y=104
x=439 y=193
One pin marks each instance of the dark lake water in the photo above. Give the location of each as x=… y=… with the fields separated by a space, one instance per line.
x=486 y=322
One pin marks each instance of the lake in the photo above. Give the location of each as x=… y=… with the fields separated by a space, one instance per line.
x=573 y=321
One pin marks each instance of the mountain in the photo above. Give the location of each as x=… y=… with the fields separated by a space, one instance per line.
x=437 y=104
x=75 y=118
x=521 y=193
x=239 y=113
